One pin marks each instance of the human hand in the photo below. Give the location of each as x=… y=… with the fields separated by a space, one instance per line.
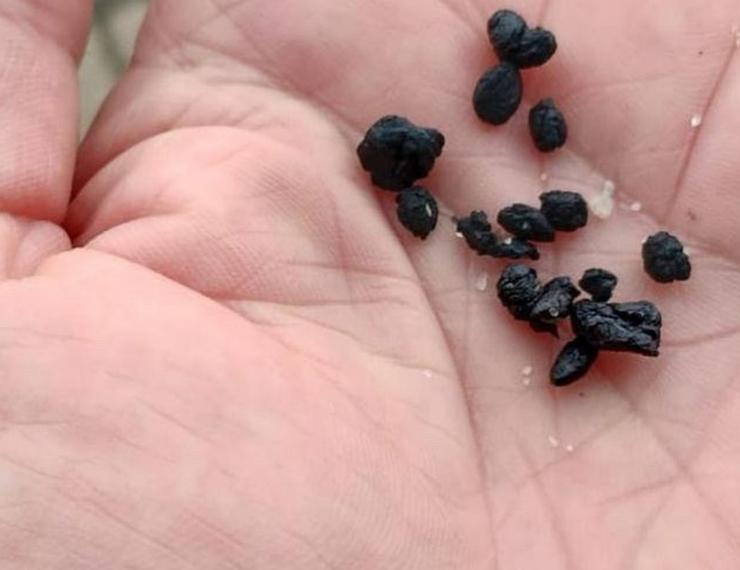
x=246 y=364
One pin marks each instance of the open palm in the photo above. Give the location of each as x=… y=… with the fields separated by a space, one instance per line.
x=246 y=364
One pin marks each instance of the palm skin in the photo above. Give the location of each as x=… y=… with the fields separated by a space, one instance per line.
x=246 y=364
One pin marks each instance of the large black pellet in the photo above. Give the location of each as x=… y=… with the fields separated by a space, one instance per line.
x=526 y=222
x=498 y=94
x=573 y=362
x=555 y=302
x=599 y=283
x=566 y=211
x=547 y=126
x=518 y=289
x=417 y=210
x=664 y=258
x=397 y=153
x=514 y=248
x=476 y=229
x=624 y=327
x=514 y=41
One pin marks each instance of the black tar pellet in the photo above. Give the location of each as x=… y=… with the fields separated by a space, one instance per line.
x=526 y=222
x=417 y=211
x=623 y=327
x=573 y=362
x=518 y=289
x=664 y=258
x=515 y=42
x=555 y=301
x=599 y=283
x=476 y=229
x=397 y=153
x=547 y=126
x=566 y=211
x=515 y=248
x=498 y=94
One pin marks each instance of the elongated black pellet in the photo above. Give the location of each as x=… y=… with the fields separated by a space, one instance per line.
x=526 y=222
x=573 y=362
x=547 y=126
x=498 y=94
x=417 y=211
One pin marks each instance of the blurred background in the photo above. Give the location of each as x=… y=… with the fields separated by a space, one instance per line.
x=109 y=49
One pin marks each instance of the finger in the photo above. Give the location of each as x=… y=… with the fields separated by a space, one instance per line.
x=40 y=44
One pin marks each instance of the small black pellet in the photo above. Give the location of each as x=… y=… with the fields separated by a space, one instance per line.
x=417 y=211
x=555 y=301
x=664 y=258
x=498 y=94
x=505 y=31
x=573 y=362
x=566 y=211
x=599 y=283
x=526 y=222
x=514 y=248
x=518 y=289
x=397 y=153
x=476 y=229
x=547 y=126
x=515 y=42
x=623 y=327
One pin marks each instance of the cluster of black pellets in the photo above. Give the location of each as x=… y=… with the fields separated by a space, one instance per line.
x=598 y=325
x=542 y=306
x=397 y=154
x=480 y=237
x=559 y=211
x=499 y=92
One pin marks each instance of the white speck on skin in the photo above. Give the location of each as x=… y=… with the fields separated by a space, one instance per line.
x=526 y=380
x=481 y=283
x=636 y=207
x=602 y=205
x=553 y=441
x=569 y=448
x=644 y=241
x=544 y=176
x=427 y=373
x=527 y=370
x=696 y=121
x=687 y=251
x=459 y=234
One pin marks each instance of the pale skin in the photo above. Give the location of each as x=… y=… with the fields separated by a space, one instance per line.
x=245 y=363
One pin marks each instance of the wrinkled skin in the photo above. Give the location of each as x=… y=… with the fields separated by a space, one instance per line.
x=245 y=364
